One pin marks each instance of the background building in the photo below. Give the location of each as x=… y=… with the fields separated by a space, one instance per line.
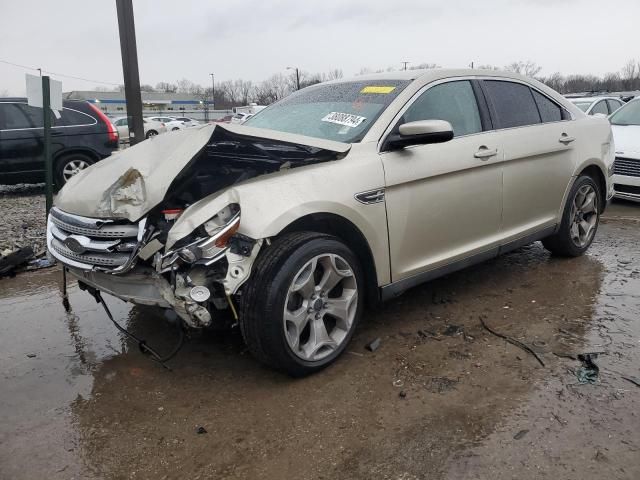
x=153 y=103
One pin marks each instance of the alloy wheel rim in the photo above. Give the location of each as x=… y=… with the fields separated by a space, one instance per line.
x=73 y=167
x=320 y=307
x=584 y=216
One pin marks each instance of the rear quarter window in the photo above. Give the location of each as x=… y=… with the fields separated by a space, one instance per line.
x=549 y=110
x=71 y=117
x=513 y=104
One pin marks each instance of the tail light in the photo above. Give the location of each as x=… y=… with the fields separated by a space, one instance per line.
x=111 y=130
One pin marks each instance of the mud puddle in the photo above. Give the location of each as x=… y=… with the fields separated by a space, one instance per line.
x=441 y=398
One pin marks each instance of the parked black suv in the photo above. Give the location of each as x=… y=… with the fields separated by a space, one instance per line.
x=81 y=136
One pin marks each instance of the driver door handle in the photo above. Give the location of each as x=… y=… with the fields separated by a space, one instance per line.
x=484 y=153
x=566 y=139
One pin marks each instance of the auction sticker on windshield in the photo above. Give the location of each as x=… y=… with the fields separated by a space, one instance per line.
x=346 y=119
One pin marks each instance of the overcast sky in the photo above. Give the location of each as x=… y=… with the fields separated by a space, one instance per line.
x=253 y=39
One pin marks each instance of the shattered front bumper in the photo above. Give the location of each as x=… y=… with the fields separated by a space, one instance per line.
x=140 y=286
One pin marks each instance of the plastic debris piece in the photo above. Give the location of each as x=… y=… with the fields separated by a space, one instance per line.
x=373 y=345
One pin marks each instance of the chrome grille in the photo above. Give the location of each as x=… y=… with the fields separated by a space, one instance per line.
x=626 y=166
x=92 y=243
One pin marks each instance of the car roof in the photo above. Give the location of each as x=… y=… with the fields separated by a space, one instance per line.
x=24 y=100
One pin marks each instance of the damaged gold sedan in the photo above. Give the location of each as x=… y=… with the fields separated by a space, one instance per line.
x=342 y=193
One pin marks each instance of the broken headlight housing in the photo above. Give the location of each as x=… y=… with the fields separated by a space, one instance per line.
x=208 y=247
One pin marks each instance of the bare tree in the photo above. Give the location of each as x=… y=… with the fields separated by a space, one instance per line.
x=528 y=68
x=185 y=86
x=166 y=87
x=332 y=75
x=424 y=66
x=487 y=66
x=273 y=89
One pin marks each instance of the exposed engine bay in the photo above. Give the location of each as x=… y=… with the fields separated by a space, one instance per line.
x=199 y=275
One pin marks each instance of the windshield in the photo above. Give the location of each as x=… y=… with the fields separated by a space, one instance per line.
x=582 y=105
x=343 y=112
x=628 y=114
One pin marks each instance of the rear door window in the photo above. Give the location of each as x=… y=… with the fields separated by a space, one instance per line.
x=454 y=102
x=549 y=110
x=15 y=116
x=613 y=105
x=513 y=104
x=600 y=107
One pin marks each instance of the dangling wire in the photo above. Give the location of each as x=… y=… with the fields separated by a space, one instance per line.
x=142 y=345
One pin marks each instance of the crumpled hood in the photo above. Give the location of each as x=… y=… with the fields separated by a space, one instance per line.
x=132 y=182
x=627 y=140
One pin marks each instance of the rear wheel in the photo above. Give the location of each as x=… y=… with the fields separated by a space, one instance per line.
x=151 y=133
x=580 y=220
x=302 y=303
x=70 y=165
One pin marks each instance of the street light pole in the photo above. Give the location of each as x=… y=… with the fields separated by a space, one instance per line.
x=213 y=92
x=297 y=76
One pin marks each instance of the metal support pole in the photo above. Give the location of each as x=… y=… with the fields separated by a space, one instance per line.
x=129 y=53
x=46 y=112
x=213 y=94
x=298 y=78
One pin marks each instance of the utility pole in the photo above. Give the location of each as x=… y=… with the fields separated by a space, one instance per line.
x=213 y=93
x=405 y=65
x=297 y=76
x=471 y=65
x=129 y=53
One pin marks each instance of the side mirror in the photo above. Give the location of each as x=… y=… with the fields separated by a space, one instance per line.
x=420 y=132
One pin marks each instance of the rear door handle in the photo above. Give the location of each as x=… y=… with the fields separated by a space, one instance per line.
x=484 y=153
x=566 y=139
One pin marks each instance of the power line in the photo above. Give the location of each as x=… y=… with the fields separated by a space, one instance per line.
x=59 y=74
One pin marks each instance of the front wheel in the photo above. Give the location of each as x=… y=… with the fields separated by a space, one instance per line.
x=151 y=133
x=580 y=220
x=302 y=302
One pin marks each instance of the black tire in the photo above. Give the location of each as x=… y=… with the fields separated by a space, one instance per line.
x=561 y=243
x=151 y=133
x=174 y=129
x=66 y=162
x=264 y=296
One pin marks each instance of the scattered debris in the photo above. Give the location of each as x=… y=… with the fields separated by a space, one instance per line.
x=402 y=394
x=588 y=373
x=9 y=263
x=634 y=380
x=201 y=430
x=39 y=263
x=452 y=330
x=398 y=382
x=373 y=345
x=31 y=355
x=427 y=334
x=520 y=434
x=440 y=384
x=512 y=341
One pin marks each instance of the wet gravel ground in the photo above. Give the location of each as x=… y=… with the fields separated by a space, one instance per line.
x=23 y=220
x=442 y=398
